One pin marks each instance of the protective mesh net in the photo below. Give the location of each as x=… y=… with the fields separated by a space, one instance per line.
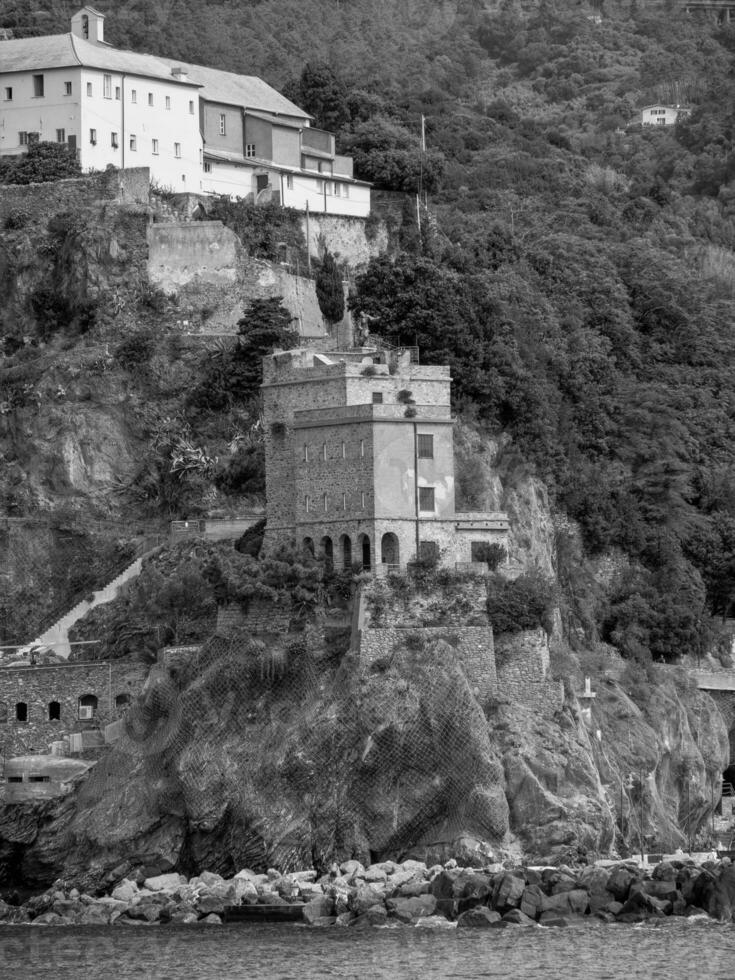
x=289 y=754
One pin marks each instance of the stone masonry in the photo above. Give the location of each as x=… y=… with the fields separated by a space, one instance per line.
x=47 y=691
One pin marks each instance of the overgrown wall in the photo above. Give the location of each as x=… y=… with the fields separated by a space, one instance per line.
x=43 y=200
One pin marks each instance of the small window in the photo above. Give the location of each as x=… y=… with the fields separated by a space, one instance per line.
x=207 y=168
x=67 y=88
x=9 y=94
x=133 y=95
x=23 y=138
x=154 y=147
x=168 y=101
x=150 y=98
x=289 y=181
x=306 y=453
x=85 y=26
x=15 y=779
x=336 y=189
x=250 y=149
x=61 y=136
x=319 y=186
x=177 y=150
x=362 y=500
x=377 y=398
x=362 y=447
x=114 y=141
x=344 y=501
x=38 y=86
x=426 y=446
x=54 y=711
x=325 y=502
x=345 y=190
x=87 y=707
x=191 y=107
x=89 y=90
x=324 y=451
x=117 y=92
x=133 y=142
x=107 y=86
x=39 y=779
x=307 y=503
x=21 y=711
x=222 y=124
x=426 y=499
x=93 y=137
x=328 y=187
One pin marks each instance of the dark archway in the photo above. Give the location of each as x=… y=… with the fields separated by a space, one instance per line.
x=390 y=553
x=122 y=703
x=21 y=711
x=328 y=551
x=54 y=711
x=87 y=707
x=308 y=546
x=365 y=552
x=345 y=543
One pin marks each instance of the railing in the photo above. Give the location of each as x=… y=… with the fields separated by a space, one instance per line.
x=727 y=789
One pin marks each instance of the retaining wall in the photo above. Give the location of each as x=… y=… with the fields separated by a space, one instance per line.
x=43 y=200
x=522 y=664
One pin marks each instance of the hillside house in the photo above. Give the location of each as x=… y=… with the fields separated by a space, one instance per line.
x=663 y=115
x=198 y=129
x=360 y=460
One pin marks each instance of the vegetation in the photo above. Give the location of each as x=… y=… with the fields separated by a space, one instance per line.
x=42 y=162
x=329 y=290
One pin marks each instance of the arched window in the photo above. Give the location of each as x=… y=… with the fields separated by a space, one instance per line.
x=328 y=551
x=87 y=707
x=389 y=550
x=308 y=546
x=364 y=542
x=122 y=703
x=3 y=713
x=21 y=711
x=54 y=711
x=85 y=26
x=346 y=545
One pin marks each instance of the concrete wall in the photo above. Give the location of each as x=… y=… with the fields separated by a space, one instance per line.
x=346 y=237
x=179 y=253
x=37 y=687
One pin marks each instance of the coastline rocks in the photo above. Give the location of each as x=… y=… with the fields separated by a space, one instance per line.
x=479 y=917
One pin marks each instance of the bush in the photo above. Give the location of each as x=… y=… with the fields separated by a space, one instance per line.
x=41 y=163
x=17 y=218
x=524 y=603
x=135 y=350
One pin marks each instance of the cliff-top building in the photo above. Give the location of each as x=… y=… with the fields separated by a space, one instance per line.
x=360 y=460
x=197 y=129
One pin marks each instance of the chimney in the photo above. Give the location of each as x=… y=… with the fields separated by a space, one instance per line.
x=89 y=24
x=180 y=73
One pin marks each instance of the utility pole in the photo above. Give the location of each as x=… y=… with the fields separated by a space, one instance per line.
x=308 y=241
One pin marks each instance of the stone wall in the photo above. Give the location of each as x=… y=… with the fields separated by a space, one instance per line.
x=351 y=240
x=262 y=616
x=43 y=200
x=472 y=645
x=522 y=664
x=38 y=687
x=179 y=253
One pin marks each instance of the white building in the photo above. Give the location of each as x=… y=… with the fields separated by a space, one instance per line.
x=663 y=115
x=198 y=129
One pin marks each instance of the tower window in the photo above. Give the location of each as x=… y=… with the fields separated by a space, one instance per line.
x=425 y=446
x=117 y=92
x=426 y=499
x=289 y=181
x=325 y=501
x=344 y=451
x=306 y=453
x=344 y=501
x=362 y=447
x=377 y=398
x=38 y=86
x=191 y=107
x=85 y=27
x=362 y=500
x=324 y=451
x=307 y=503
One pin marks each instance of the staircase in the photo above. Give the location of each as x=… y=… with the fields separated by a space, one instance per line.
x=57 y=635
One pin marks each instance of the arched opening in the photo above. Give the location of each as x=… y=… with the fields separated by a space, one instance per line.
x=365 y=552
x=54 y=711
x=85 y=27
x=328 y=551
x=308 y=547
x=122 y=703
x=346 y=545
x=389 y=549
x=21 y=711
x=87 y=707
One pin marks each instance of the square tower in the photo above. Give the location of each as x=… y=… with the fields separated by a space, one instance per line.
x=360 y=458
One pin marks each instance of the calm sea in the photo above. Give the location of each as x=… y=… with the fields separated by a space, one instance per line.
x=670 y=949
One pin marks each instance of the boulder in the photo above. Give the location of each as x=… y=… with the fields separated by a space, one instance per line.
x=479 y=917
x=416 y=866
x=507 y=892
x=210 y=878
x=552 y=920
x=95 y=915
x=343 y=919
x=185 y=918
x=126 y=891
x=377 y=915
x=532 y=901
x=567 y=903
x=663 y=888
x=411 y=909
x=533 y=877
x=212 y=920
x=351 y=868
x=144 y=912
x=365 y=896
x=665 y=871
x=415 y=887
x=50 y=919
x=309 y=890
x=287 y=889
x=594 y=880
x=164 y=883
x=517 y=918
x=301 y=876
x=318 y=908
x=442 y=888
x=434 y=922
x=374 y=873
x=619 y=882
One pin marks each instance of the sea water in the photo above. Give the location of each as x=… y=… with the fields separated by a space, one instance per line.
x=673 y=948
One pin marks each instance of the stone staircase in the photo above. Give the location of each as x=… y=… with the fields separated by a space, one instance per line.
x=57 y=636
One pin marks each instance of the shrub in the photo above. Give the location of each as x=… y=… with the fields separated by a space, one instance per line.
x=329 y=290
x=524 y=603
x=135 y=350
x=17 y=218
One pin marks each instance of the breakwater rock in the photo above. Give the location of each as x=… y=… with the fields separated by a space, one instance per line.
x=409 y=893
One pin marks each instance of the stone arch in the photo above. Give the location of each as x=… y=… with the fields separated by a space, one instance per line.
x=21 y=711
x=54 y=711
x=87 y=707
x=308 y=546
x=364 y=546
x=327 y=549
x=390 y=552
x=345 y=547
